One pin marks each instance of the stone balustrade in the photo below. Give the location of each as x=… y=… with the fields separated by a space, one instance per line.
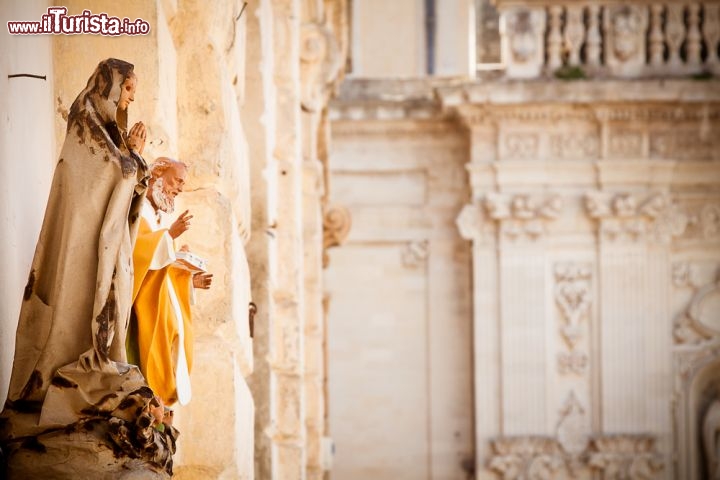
x=609 y=39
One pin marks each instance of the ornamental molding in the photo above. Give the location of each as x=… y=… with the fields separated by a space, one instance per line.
x=473 y=114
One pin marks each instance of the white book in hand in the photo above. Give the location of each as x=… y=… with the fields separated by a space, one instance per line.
x=190 y=261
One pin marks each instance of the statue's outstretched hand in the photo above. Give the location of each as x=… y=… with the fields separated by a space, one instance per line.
x=181 y=225
x=202 y=280
x=136 y=138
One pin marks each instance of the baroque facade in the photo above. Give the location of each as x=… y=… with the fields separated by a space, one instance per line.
x=581 y=348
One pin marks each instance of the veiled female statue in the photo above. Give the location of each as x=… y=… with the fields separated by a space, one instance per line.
x=76 y=303
x=70 y=365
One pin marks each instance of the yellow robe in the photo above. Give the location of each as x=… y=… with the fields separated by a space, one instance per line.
x=158 y=336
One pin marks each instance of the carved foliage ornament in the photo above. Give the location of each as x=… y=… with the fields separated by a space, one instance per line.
x=632 y=457
x=527 y=458
x=522 y=215
x=615 y=457
x=573 y=298
x=627 y=216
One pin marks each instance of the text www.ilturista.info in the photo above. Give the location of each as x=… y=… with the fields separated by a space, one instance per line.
x=57 y=21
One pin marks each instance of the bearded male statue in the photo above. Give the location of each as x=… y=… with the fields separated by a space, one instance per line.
x=161 y=334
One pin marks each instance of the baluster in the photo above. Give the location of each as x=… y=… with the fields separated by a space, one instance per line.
x=656 y=35
x=555 y=38
x=574 y=33
x=711 y=31
x=675 y=33
x=693 y=35
x=593 y=39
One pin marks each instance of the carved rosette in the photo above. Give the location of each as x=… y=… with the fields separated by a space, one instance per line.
x=336 y=227
x=627 y=217
x=526 y=458
x=624 y=456
x=522 y=216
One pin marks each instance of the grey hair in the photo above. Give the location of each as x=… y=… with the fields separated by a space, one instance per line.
x=158 y=168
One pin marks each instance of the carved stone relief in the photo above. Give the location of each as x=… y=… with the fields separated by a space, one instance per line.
x=685 y=144
x=415 y=254
x=573 y=362
x=526 y=458
x=614 y=457
x=632 y=457
x=700 y=322
x=520 y=146
x=576 y=145
x=572 y=430
x=573 y=298
x=630 y=217
x=625 y=27
x=624 y=143
x=522 y=216
x=336 y=227
x=523 y=40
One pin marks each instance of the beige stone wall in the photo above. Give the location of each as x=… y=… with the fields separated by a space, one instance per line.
x=191 y=88
x=27 y=160
x=388 y=38
x=399 y=326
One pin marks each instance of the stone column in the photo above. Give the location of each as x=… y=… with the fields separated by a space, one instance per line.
x=635 y=230
x=287 y=359
x=320 y=64
x=210 y=61
x=258 y=116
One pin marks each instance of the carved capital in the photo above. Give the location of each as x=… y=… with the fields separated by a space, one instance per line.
x=633 y=457
x=632 y=217
x=336 y=227
x=530 y=457
x=522 y=216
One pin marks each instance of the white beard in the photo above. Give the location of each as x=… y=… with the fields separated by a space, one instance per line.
x=162 y=201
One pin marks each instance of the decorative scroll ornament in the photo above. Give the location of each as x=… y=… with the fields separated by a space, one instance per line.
x=700 y=322
x=336 y=227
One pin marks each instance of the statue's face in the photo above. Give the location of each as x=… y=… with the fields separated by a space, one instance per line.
x=174 y=180
x=165 y=188
x=127 y=92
